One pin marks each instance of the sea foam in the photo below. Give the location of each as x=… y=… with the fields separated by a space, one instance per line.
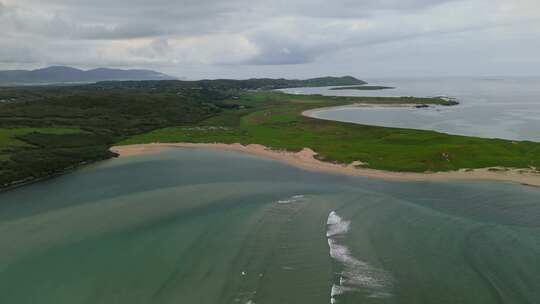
x=336 y=225
x=355 y=275
x=292 y=199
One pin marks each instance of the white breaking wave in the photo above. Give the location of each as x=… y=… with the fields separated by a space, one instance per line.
x=333 y=218
x=356 y=275
x=336 y=291
x=336 y=225
x=292 y=199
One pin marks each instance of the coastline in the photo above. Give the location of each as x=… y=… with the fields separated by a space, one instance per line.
x=311 y=112
x=29 y=181
x=306 y=160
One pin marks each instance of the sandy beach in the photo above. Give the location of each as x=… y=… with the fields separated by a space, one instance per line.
x=306 y=159
x=311 y=113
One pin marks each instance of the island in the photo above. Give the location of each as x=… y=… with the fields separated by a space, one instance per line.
x=45 y=131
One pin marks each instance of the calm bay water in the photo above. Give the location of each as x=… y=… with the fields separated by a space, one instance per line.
x=506 y=108
x=198 y=226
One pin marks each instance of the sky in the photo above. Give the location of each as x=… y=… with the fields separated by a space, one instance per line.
x=197 y=39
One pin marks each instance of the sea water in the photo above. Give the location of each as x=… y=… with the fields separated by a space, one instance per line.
x=500 y=107
x=200 y=226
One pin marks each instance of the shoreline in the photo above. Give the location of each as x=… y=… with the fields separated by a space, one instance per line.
x=65 y=171
x=306 y=160
x=311 y=112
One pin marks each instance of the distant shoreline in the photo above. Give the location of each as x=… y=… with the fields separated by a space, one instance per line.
x=363 y=88
x=310 y=113
x=306 y=159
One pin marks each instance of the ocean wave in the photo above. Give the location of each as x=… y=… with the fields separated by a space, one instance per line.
x=292 y=199
x=355 y=275
x=336 y=225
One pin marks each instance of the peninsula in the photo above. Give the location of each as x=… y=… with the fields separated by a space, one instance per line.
x=46 y=131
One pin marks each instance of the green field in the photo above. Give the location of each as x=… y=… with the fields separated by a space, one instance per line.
x=275 y=120
x=10 y=139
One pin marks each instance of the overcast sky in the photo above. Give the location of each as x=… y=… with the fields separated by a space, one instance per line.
x=289 y=38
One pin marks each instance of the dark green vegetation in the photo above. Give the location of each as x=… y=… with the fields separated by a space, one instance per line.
x=48 y=130
x=45 y=131
x=270 y=84
x=364 y=88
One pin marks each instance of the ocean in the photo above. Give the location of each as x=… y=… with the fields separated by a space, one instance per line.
x=205 y=226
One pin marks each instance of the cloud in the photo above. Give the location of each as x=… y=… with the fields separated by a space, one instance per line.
x=231 y=36
x=124 y=19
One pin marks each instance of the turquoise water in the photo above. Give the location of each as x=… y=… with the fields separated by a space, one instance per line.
x=198 y=226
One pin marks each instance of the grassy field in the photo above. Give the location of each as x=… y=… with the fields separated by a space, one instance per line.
x=275 y=120
x=11 y=138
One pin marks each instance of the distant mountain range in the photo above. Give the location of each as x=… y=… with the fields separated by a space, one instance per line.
x=62 y=74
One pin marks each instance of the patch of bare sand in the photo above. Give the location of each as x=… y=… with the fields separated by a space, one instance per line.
x=306 y=159
x=312 y=112
x=134 y=150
